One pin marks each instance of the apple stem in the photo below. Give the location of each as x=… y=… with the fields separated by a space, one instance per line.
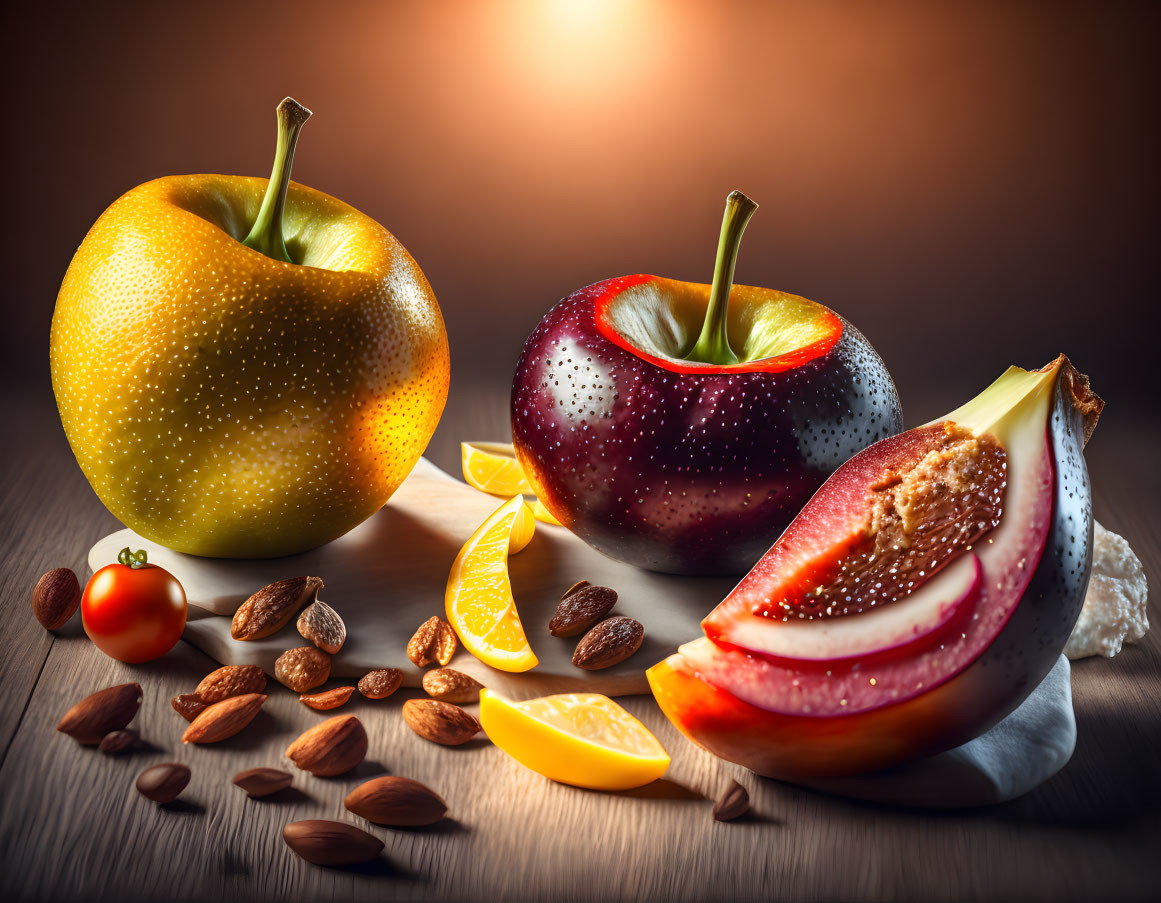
x=266 y=234
x=713 y=345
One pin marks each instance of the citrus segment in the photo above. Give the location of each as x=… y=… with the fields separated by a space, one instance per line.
x=543 y=515
x=478 y=599
x=583 y=739
x=492 y=467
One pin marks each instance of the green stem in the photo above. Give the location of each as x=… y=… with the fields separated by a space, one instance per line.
x=132 y=559
x=713 y=345
x=266 y=234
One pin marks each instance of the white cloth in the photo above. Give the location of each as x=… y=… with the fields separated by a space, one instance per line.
x=1017 y=755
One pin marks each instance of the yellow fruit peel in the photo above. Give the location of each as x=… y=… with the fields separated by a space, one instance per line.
x=583 y=739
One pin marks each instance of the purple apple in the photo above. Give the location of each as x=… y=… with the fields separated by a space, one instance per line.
x=680 y=426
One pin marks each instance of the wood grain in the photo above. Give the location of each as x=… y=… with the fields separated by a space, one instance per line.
x=72 y=827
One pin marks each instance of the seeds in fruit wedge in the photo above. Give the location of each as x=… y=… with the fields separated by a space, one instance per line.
x=583 y=739
x=478 y=599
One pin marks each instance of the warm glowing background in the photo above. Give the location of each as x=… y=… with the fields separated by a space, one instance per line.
x=971 y=183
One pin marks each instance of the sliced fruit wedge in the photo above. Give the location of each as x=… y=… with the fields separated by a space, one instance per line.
x=478 y=599
x=583 y=739
x=919 y=597
x=492 y=467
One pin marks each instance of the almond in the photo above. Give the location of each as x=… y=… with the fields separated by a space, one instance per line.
x=399 y=802
x=328 y=699
x=55 y=598
x=223 y=719
x=118 y=741
x=735 y=803
x=230 y=680
x=433 y=641
x=271 y=608
x=259 y=782
x=303 y=668
x=609 y=643
x=580 y=609
x=323 y=842
x=163 y=783
x=107 y=710
x=451 y=685
x=322 y=625
x=332 y=747
x=188 y=706
x=380 y=683
x=440 y=722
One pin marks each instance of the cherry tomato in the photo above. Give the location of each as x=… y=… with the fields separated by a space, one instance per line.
x=133 y=611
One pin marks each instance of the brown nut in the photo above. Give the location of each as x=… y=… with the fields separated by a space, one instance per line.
x=188 y=706
x=321 y=625
x=55 y=598
x=399 y=802
x=327 y=699
x=434 y=641
x=118 y=742
x=163 y=783
x=271 y=608
x=450 y=685
x=331 y=747
x=107 y=710
x=609 y=643
x=579 y=585
x=258 y=782
x=380 y=683
x=735 y=803
x=222 y=720
x=440 y=722
x=332 y=843
x=230 y=680
x=303 y=668
x=580 y=610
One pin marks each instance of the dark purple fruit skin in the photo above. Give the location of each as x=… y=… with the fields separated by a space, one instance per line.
x=685 y=473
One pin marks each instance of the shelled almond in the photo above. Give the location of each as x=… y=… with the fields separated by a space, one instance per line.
x=380 y=683
x=303 y=668
x=271 y=608
x=55 y=598
x=327 y=699
x=440 y=722
x=434 y=641
x=333 y=747
x=222 y=720
x=449 y=685
x=107 y=710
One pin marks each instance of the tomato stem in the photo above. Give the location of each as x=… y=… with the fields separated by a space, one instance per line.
x=132 y=559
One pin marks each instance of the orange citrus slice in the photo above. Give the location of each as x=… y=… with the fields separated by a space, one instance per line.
x=478 y=599
x=492 y=467
x=583 y=739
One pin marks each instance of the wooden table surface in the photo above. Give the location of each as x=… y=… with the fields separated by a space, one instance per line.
x=72 y=826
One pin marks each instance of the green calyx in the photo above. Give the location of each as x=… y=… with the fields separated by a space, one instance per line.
x=713 y=345
x=266 y=233
x=132 y=559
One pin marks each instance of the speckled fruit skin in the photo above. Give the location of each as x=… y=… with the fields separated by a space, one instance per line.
x=799 y=746
x=685 y=473
x=223 y=403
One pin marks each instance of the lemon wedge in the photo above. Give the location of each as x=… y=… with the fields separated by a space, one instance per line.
x=583 y=739
x=492 y=467
x=478 y=599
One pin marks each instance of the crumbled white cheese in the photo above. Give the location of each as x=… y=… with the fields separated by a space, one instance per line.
x=1114 y=607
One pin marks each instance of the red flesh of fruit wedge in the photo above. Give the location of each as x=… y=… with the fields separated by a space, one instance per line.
x=781 y=688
